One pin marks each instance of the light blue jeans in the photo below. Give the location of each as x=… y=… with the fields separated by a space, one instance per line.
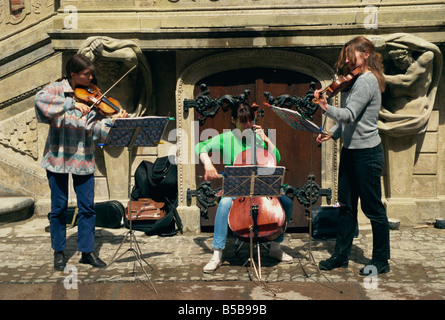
x=222 y=215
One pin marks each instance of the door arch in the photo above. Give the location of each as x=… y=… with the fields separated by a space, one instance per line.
x=223 y=62
x=299 y=155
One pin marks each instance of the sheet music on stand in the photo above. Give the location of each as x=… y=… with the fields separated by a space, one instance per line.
x=138 y=132
x=245 y=181
x=296 y=120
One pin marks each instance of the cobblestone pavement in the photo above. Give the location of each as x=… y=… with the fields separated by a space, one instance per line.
x=175 y=271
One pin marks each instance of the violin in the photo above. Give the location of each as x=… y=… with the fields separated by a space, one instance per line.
x=340 y=84
x=93 y=97
x=264 y=216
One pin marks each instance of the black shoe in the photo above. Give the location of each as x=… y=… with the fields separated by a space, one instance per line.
x=375 y=267
x=93 y=259
x=335 y=261
x=59 y=260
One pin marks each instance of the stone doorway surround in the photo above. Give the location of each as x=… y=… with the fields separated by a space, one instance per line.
x=186 y=138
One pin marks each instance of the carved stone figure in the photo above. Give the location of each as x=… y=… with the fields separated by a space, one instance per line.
x=412 y=71
x=114 y=57
x=412 y=75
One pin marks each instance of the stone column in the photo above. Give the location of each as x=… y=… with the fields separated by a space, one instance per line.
x=400 y=155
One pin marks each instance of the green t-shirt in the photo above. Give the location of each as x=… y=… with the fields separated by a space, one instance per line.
x=229 y=146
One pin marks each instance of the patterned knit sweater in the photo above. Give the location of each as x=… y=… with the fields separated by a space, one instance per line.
x=70 y=144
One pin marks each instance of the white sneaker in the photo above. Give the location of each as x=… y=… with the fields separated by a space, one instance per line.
x=213 y=264
x=281 y=256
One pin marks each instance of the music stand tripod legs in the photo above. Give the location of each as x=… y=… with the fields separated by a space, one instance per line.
x=310 y=256
x=134 y=245
x=257 y=270
x=136 y=250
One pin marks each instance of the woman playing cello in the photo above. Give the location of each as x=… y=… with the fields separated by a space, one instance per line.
x=230 y=144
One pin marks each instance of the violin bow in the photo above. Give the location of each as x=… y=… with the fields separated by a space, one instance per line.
x=109 y=89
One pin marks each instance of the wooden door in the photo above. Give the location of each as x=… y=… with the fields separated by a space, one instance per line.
x=298 y=154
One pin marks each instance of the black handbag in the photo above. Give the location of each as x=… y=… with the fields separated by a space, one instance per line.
x=325 y=221
x=158 y=180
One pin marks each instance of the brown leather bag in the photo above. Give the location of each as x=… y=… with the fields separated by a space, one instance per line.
x=145 y=209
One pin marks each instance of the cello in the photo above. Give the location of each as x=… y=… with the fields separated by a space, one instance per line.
x=264 y=216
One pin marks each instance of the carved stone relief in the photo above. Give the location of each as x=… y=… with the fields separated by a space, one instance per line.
x=20 y=133
x=113 y=57
x=412 y=71
x=18 y=9
x=413 y=67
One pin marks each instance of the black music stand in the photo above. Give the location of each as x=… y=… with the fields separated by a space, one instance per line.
x=135 y=132
x=253 y=181
x=300 y=122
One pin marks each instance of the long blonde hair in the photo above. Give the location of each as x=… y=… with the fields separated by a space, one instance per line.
x=374 y=62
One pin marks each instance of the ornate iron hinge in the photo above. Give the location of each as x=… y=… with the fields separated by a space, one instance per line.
x=206 y=195
x=303 y=105
x=309 y=194
x=208 y=107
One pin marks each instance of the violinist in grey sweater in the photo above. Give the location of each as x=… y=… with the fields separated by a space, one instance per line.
x=361 y=159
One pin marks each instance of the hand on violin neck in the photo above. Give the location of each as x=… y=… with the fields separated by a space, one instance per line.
x=259 y=131
x=83 y=108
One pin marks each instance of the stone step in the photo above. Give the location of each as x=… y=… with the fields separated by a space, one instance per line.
x=14 y=209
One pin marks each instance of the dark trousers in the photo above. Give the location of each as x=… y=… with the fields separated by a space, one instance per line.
x=359 y=177
x=84 y=188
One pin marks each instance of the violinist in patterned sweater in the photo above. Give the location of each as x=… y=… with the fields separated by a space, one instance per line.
x=69 y=149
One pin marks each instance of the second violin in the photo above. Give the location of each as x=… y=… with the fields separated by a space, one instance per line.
x=340 y=84
x=93 y=97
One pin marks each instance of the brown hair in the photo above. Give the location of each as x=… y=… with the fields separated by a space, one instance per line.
x=244 y=112
x=374 y=62
x=78 y=63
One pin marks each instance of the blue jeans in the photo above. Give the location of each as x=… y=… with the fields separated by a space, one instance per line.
x=84 y=188
x=222 y=216
x=359 y=177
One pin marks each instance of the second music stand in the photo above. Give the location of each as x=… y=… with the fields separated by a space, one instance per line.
x=253 y=181
x=300 y=122
x=135 y=132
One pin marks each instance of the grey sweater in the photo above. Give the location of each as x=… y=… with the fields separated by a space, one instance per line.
x=357 y=118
